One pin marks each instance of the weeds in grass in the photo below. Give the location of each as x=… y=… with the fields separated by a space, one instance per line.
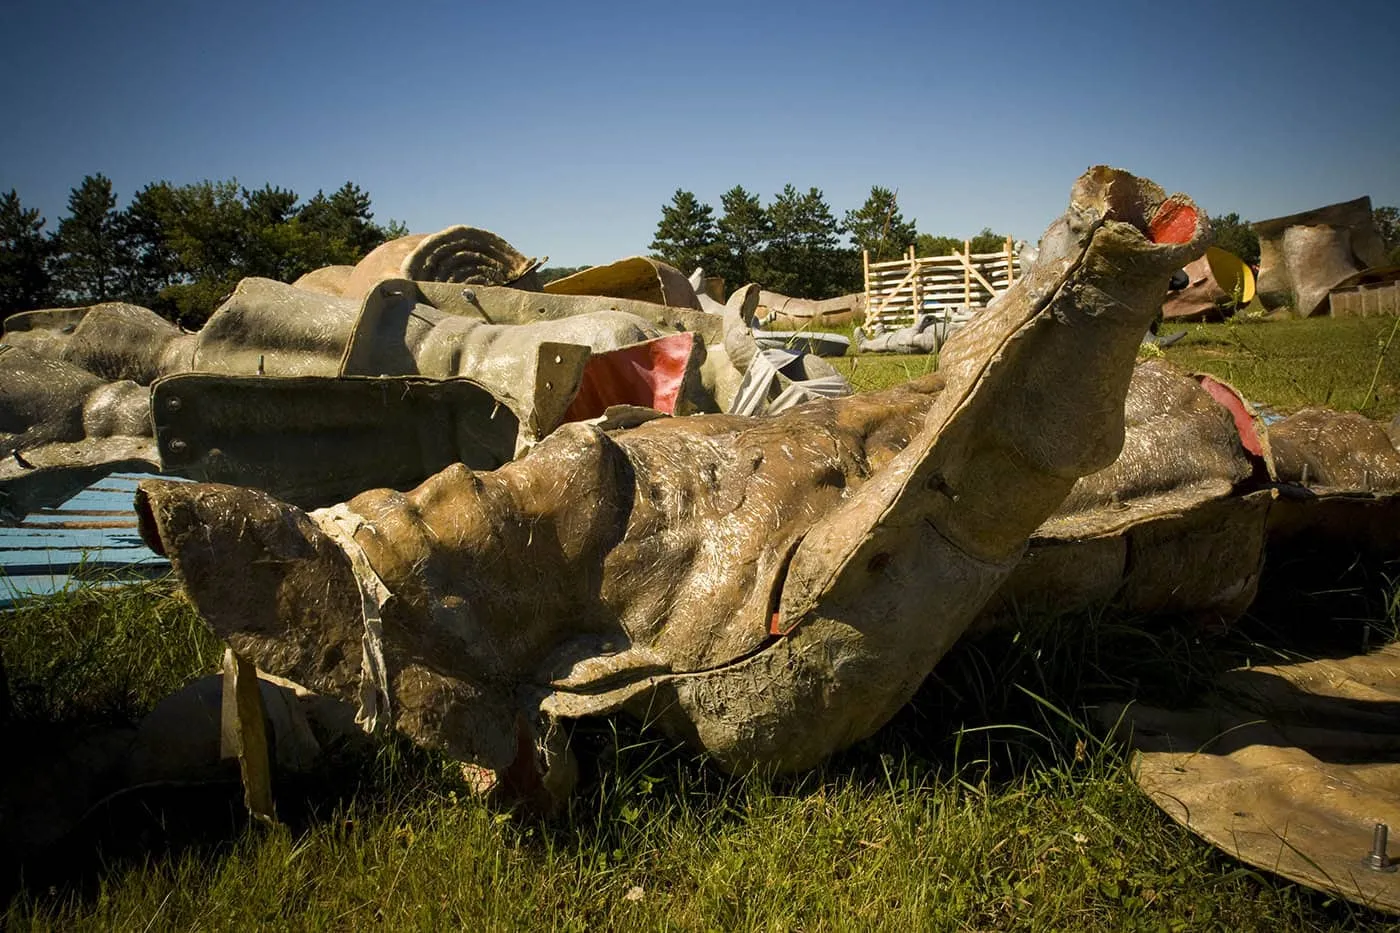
x=1345 y=363
x=97 y=654
x=991 y=801
x=1383 y=347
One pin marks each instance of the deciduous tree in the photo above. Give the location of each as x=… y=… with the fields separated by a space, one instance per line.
x=1236 y=236
x=1387 y=221
x=988 y=241
x=926 y=244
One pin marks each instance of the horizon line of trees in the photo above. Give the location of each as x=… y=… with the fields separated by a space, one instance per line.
x=795 y=244
x=180 y=249
x=176 y=249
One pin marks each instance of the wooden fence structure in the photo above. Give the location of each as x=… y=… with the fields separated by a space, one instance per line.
x=1366 y=300
x=899 y=289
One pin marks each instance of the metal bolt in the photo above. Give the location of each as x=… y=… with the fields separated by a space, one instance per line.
x=1378 y=860
x=470 y=295
x=177 y=445
x=173 y=404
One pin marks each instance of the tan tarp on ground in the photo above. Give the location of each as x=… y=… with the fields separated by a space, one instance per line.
x=1289 y=770
x=1289 y=767
x=780 y=311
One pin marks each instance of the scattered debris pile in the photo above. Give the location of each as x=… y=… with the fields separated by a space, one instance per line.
x=448 y=503
x=768 y=591
x=398 y=377
x=1304 y=256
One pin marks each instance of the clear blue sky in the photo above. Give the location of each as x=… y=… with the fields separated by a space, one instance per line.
x=565 y=126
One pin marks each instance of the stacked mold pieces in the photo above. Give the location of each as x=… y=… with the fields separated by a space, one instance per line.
x=317 y=392
x=1304 y=256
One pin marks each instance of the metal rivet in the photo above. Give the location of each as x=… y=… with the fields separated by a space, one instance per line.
x=1378 y=860
x=176 y=444
x=558 y=360
x=548 y=386
x=173 y=404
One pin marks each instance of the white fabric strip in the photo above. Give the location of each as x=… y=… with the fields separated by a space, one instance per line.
x=340 y=523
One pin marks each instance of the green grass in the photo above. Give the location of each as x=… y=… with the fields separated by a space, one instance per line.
x=870 y=372
x=989 y=802
x=99 y=655
x=1350 y=364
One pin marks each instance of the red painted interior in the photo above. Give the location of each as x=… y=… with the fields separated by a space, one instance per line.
x=1174 y=222
x=649 y=374
x=1244 y=421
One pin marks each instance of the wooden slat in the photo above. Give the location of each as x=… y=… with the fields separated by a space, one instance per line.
x=896 y=290
x=76 y=525
x=91 y=535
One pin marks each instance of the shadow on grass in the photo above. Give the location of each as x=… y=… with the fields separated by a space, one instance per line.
x=1002 y=724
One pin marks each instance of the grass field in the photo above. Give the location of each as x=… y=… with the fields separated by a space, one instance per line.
x=1351 y=364
x=990 y=802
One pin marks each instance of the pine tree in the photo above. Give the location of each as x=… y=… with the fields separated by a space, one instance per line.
x=743 y=233
x=344 y=221
x=25 y=283
x=878 y=226
x=91 y=248
x=804 y=257
x=685 y=235
x=154 y=265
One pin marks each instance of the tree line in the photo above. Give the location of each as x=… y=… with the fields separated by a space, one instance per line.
x=795 y=244
x=177 y=249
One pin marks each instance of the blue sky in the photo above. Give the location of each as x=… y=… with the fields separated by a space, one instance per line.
x=565 y=126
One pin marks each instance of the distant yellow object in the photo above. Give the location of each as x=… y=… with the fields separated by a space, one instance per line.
x=1232 y=274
